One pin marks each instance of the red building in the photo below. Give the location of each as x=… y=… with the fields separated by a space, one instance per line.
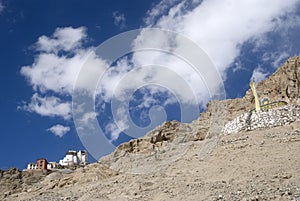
x=42 y=164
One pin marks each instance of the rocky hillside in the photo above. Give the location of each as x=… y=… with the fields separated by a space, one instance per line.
x=169 y=138
x=14 y=181
x=195 y=161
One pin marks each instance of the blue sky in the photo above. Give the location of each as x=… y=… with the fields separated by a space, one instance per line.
x=45 y=43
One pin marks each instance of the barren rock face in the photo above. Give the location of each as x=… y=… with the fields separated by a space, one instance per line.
x=14 y=181
x=155 y=138
x=10 y=179
x=284 y=84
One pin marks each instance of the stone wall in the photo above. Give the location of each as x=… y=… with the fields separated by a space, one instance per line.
x=253 y=120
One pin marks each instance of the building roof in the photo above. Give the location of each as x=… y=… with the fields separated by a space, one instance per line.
x=41 y=159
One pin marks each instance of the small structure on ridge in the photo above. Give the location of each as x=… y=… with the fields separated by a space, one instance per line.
x=74 y=158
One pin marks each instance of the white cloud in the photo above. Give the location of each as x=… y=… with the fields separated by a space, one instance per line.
x=87 y=117
x=259 y=74
x=66 y=39
x=59 y=130
x=275 y=58
x=119 y=124
x=162 y=7
x=119 y=19
x=57 y=63
x=220 y=28
x=113 y=130
x=49 y=106
x=53 y=72
x=56 y=72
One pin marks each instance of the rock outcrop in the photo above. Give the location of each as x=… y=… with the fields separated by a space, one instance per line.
x=284 y=84
x=14 y=181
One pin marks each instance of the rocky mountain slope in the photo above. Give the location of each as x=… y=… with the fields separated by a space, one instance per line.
x=195 y=161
